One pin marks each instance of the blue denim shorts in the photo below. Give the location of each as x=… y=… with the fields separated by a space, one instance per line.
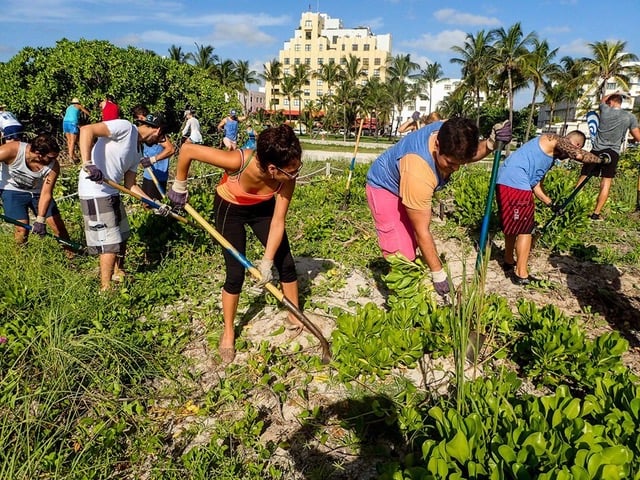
x=70 y=127
x=18 y=203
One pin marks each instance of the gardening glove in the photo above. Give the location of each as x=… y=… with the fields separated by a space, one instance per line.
x=95 y=174
x=440 y=283
x=501 y=132
x=265 y=266
x=163 y=210
x=39 y=227
x=416 y=116
x=146 y=162
x=605 y=158
x=178 y=194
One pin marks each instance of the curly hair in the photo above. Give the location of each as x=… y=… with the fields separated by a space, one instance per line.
x=458 y=139
x=45 y=144
x=278 y=146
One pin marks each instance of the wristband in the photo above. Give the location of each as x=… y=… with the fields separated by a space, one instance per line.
x=179 y=186
x=439 y=276
x=40 y=219
x=153 y=159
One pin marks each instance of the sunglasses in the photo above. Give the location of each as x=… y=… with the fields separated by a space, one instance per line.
x=291 y=175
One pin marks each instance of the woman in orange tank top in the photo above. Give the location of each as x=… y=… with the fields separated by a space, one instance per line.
x=255 y=191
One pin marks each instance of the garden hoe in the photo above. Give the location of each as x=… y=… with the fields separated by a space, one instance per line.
x=67 y=243
x=352 y=166
x=326 y=351
x=484 y=230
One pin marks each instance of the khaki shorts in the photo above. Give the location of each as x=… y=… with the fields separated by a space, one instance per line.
x=106 y=226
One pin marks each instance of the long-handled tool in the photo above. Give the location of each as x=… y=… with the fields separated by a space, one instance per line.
x=484 y=230
x=67 y=243
x=352 y=166
x=538 y=232
x=326 y=351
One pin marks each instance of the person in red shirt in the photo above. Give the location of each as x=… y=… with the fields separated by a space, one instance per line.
x=110 y=110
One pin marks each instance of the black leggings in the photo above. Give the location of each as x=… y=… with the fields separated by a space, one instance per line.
x=230 y=221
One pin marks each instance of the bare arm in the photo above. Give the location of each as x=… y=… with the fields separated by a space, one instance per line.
x=561 y=147
x=635 y=133
x=421 y=221
x=46 y=193
x=482 y=151
x=130 y=183
x=228 y=160
x=409 y=125
x=278 y=221
x=167 y=150
x=8 y=152
x=540 y=195
x=221 y=124
x=88 y=133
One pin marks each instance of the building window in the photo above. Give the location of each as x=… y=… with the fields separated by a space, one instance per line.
x=365 y=62
x=307 y=47
x=376 y=61
x=365 y=47
x=307 y=23
x=332 y=60
x=307 y=92
x=611 y=85
x=319 y=82
x=320 y=60
x=320 y=47
x=286 y=71
x=376 y=72
x=296 y=102
x=447 y=87
x=285 y=102
x=334 y=40
x=307 y=61
x=319 y=93
x=365 y=71
x=296 y=47
x=286 y=61
x=354 y=47
x=307 y=35
x=276 y=101
x=296 y=61
x=343 y=61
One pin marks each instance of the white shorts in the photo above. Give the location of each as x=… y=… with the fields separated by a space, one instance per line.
x=106 y=226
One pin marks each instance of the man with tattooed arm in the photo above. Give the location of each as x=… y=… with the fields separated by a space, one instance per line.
x=519 y=179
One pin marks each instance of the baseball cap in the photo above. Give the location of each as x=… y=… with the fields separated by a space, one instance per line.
x=2 y=105
x=156 y=120
x=232 y=113
x=75 y=100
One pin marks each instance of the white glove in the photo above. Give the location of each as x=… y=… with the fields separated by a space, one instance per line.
x=265 y=267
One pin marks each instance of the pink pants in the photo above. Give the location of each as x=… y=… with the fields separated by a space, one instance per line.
x=395 y=232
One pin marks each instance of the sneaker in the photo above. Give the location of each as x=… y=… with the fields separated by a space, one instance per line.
x=596 y=217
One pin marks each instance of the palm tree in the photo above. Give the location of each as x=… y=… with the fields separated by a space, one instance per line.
x=225 y=73
x=609 y=62
x=429 y=76
x=553 y=93
x=176 y=53
x=457 y=103
x=475 y=58
x=272 y=72
x=538 y=66
x=377 y=103
x=570 y=73
x=401 y=67
x=510 y=49
x=301 y=74
x=245 y=76
x=290 y=89
x=330 y=73
x=204 y=57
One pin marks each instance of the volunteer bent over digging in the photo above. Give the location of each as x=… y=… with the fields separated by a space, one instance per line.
x=401 y=183
x=29 y=174
x=255 y=191
x=115 y=156
x=519 y=179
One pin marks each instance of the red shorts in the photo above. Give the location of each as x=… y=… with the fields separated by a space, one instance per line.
x=516 y=210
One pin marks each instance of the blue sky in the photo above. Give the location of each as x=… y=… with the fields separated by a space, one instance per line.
x=255 y=30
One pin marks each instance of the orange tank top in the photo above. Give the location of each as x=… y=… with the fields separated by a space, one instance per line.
x=230 y=189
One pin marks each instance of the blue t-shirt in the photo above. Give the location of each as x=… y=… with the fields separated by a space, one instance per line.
x=525 y=167
x=161 y=167
x=231 y=129
x=385 y=170
x=72 y=115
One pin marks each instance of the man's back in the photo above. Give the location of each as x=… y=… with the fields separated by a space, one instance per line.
x=614 y=123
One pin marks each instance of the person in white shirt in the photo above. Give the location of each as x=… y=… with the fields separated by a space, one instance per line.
x=116 y=156
x=10 y=126
x=191 y=129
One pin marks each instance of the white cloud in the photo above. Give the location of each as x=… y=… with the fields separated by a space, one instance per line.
x=246 y=34
x=155 y=37
x=373 y=23
x=558 y=29
x=576 y=48
x=441 y=42
x=454 y=17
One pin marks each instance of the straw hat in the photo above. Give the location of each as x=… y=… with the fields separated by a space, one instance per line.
x=75 y=100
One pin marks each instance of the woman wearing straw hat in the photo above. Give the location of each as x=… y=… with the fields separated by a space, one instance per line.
x=71 y=125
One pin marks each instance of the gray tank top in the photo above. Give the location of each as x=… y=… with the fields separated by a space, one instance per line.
x=18 y=176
